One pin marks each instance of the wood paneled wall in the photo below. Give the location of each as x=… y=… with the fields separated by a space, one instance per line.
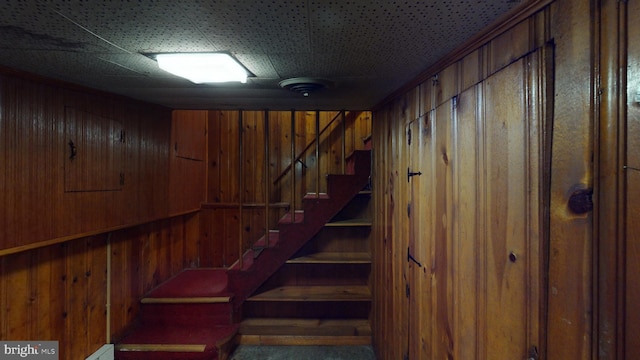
x=628 y=318
x=35 y=206
x=61 y=292
x=74 y=264
x=503 y=135
x=250 y=154
x=188 y=164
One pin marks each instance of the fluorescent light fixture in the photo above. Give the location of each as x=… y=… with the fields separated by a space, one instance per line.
x=203 y=67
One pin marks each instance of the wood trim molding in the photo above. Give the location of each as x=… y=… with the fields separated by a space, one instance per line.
x=62 y=239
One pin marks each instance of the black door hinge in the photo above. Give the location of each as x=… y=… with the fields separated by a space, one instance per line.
x=412 y=173
x=411 y=258
x=407 y=289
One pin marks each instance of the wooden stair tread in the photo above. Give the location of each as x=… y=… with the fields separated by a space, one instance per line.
x=349 y=222
x=315 y=293
x=193 y=283
x=187 y=300
x=270 y=331
x=333 y=258
x=177 y=338
x=302 y=340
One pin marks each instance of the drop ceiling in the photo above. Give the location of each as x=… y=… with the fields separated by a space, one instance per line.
x=366 y=48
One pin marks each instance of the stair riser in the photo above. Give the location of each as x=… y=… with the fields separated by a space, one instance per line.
x=307 y=310
x=187 y=314
x=310 y=274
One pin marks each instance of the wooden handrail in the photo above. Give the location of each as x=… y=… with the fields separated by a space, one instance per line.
x=311 y=143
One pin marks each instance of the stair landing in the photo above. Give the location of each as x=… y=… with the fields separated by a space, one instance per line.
x=188 y=317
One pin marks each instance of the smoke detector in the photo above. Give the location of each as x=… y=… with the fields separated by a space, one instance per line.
x=304 y=85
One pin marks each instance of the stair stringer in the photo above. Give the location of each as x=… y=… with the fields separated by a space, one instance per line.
x=341 y=189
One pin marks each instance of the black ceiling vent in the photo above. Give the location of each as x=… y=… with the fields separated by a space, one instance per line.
x=304 y=85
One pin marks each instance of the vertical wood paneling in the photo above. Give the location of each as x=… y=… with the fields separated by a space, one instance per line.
x=187 y=167
x=478 y=200
x=510 y=46
x=59 y=292
x=570 y=303
x=16 y=313
x=227 y=169
x=400 y=232
x=143 y=257
x=34 y=150
x=446 y=84
x=466 y=238
x=632 y=250
x=632 y=221
x=96 y=276
x=189 y=134
x=7 y=144
x=426 y=97
x=633 y=89
x=471 y=67
x=440 y=253
x=506 y=211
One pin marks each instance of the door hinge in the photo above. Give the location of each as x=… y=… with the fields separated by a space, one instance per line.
x=121 y=179
x=411 y=258
x=408 y=210
x=411 y=174
x=407 y=289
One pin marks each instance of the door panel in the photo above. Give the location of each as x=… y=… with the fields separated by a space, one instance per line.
x=505 y=251
x=466 y=242
x=476 y=224
x=422 y=194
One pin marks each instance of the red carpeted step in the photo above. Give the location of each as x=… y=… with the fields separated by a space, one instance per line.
x=193 y=283
x=289 y=218
x=196 y=297
x=176 y=343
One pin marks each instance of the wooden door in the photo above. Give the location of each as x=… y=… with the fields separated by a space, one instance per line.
x=476 y=221
x=511 y=192
x=418 y=290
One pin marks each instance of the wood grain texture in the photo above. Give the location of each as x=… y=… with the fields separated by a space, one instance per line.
x=36 y=208
x=570 y=303
x=632 y=267
x=56 y=244
x=187 y=165
x=472 y=221
x=239 y=176
x=631 y=252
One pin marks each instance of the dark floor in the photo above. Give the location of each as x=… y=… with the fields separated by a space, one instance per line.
x=247 y=352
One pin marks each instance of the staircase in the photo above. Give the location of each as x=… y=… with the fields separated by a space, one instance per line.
x=321 y=295
x=198 y=313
